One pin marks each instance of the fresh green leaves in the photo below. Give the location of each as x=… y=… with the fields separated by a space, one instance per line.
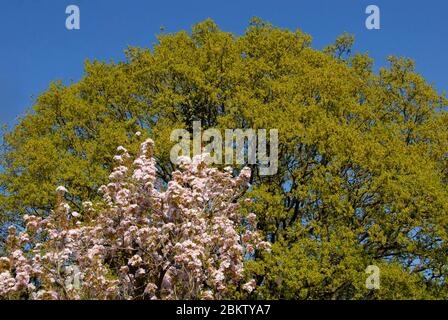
x=362 y=156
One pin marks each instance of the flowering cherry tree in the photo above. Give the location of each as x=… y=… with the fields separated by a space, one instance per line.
x=188 y=242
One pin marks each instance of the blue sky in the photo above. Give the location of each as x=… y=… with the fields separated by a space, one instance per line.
x=36 y=48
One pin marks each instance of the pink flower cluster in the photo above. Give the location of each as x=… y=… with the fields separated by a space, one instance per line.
x=188 y=242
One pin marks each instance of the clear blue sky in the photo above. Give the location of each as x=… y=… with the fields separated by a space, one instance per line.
x=36 y=48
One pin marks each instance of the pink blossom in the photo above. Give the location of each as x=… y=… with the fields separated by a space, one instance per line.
x=189 y=233
x=249 y=286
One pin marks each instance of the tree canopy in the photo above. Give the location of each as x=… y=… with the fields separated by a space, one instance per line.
x=362 y=176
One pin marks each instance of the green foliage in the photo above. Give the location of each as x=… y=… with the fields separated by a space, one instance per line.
x=362 y=171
